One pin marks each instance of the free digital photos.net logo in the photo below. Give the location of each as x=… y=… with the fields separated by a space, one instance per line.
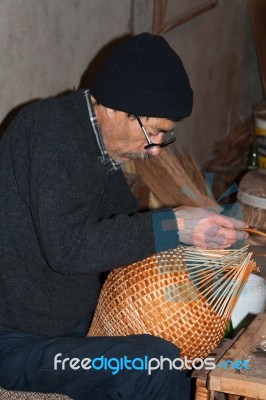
x=149 y=365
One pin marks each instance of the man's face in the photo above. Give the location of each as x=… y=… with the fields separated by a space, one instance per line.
x=125 y=140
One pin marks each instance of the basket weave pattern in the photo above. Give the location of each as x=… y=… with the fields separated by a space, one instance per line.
x=159 y=296
x=254 y=183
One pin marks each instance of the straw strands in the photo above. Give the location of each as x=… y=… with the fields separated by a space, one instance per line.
x=175 y=179
x=185 y=295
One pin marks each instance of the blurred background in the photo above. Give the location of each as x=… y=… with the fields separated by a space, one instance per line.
x=47 y=45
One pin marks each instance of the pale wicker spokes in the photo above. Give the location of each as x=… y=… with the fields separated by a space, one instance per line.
x=184 y=295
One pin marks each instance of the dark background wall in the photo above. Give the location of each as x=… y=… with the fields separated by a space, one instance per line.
x=46 y=45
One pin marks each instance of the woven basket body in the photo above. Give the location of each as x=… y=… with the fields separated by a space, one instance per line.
x=161 y=296
x=252 y=195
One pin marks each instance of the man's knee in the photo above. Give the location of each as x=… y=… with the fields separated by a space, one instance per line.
x=155 y=347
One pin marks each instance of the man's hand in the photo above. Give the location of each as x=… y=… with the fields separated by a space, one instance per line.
x=207 y=229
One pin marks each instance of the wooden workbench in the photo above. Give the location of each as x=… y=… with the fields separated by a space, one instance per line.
x=249 y=346
x=245 y=384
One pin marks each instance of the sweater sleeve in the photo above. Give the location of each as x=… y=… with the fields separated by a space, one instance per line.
x=69 y=196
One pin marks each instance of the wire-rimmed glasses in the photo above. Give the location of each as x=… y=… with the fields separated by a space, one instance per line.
x=150 y=144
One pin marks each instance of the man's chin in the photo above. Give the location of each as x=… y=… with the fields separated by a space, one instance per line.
x=124 y=158
x=139 y=156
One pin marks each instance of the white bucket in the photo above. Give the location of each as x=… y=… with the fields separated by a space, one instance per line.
x=251 y=301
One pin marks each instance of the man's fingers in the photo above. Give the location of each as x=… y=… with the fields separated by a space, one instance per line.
x=223 y=236
x=230 y=223
x=215 y=246
x=241 y=235
x=232 y=234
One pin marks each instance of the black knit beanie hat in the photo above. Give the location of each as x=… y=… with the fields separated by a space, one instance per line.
x=145 y=77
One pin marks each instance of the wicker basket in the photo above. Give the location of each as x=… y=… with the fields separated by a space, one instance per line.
x=180 y=295
x=252 y=196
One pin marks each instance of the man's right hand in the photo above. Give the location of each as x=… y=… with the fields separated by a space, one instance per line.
x=207 y=229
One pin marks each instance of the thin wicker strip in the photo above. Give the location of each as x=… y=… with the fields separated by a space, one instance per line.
x=184 y=295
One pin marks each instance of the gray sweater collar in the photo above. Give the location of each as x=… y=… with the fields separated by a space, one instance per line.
x=104 y=158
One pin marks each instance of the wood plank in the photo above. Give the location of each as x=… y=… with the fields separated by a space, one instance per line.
x=201 y=392
x=249 y=386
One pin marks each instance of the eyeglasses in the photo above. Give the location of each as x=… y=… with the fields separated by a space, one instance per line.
x=150 y=144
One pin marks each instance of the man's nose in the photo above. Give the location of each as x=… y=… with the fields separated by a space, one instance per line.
x=157 y=140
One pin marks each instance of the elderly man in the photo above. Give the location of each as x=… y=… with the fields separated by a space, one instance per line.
x=68 y=217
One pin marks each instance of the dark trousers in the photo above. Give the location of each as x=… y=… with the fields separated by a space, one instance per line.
x=27 y=363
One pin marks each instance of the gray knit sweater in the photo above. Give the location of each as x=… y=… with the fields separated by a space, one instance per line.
x=64 y=219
